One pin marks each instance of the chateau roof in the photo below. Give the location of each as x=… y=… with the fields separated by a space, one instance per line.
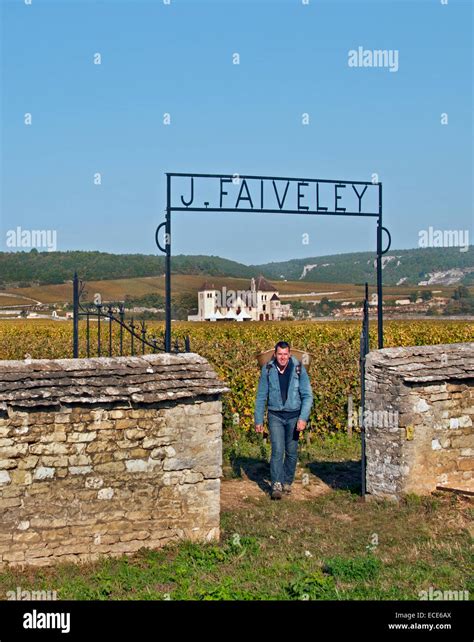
x=275 y=297
x=207 y=285
x=263 y=285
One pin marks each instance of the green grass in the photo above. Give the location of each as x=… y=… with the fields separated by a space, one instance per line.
x=332 y=546
x=306 y=550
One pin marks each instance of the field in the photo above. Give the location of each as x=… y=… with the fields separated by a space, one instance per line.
x=322 y=543
x=118 y=289
x=231 y=348
x=327 y=545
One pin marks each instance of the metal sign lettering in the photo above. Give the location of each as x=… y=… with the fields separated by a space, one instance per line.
x=272 y=195
x=216 y=193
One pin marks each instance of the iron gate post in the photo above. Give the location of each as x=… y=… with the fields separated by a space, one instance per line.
x=75 y=321
x=364 y=349
x=379 y=273
x=168 y=265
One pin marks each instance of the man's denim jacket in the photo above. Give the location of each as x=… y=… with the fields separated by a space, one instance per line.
x=300 y=395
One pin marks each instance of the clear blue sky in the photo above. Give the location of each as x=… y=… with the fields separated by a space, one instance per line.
x=228 y=118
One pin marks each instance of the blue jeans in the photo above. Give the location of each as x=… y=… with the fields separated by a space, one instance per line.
x=284 y=440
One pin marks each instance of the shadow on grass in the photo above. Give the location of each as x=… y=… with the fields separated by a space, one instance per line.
x=340 y=475
x=256 y=470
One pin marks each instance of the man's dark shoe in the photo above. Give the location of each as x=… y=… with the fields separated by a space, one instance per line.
x=287 y=489
x=277 y=491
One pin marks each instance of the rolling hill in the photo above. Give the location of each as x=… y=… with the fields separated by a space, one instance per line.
x=428 y=266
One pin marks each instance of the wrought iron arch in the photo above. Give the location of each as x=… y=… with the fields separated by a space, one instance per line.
x=261 y=198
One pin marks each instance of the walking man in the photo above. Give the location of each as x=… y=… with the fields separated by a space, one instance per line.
x=286 y=389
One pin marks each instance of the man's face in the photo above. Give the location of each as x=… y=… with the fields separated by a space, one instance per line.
x=282 y=356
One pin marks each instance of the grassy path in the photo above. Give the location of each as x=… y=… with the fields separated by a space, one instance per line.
x=324 y=542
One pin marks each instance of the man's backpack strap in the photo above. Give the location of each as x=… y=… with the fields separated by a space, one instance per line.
x=269 y=365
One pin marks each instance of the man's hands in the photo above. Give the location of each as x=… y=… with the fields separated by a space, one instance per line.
x=301 y=425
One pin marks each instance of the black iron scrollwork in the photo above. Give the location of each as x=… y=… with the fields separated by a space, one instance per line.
x=113 y=313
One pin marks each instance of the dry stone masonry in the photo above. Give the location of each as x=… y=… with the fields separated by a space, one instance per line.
x=430 y=389
x=108 y=455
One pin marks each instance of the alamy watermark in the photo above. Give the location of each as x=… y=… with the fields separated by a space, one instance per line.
x=370 y=418
x=40 y=620
x=374 y=542
x=232 y=298
x=444 y=238
x=436 y=594
x=25 y=594
x=386 y=58
x=41 y=239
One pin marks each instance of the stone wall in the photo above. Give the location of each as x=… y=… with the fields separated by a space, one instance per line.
x=105 y=456
x=430 y=391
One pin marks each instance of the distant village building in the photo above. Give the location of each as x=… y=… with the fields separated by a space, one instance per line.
x=259 y=303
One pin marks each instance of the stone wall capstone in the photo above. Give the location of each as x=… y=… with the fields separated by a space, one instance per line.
x=429 y=390
x=105 y=456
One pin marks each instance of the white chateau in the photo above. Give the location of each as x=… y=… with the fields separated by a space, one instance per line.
x=260 y=303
